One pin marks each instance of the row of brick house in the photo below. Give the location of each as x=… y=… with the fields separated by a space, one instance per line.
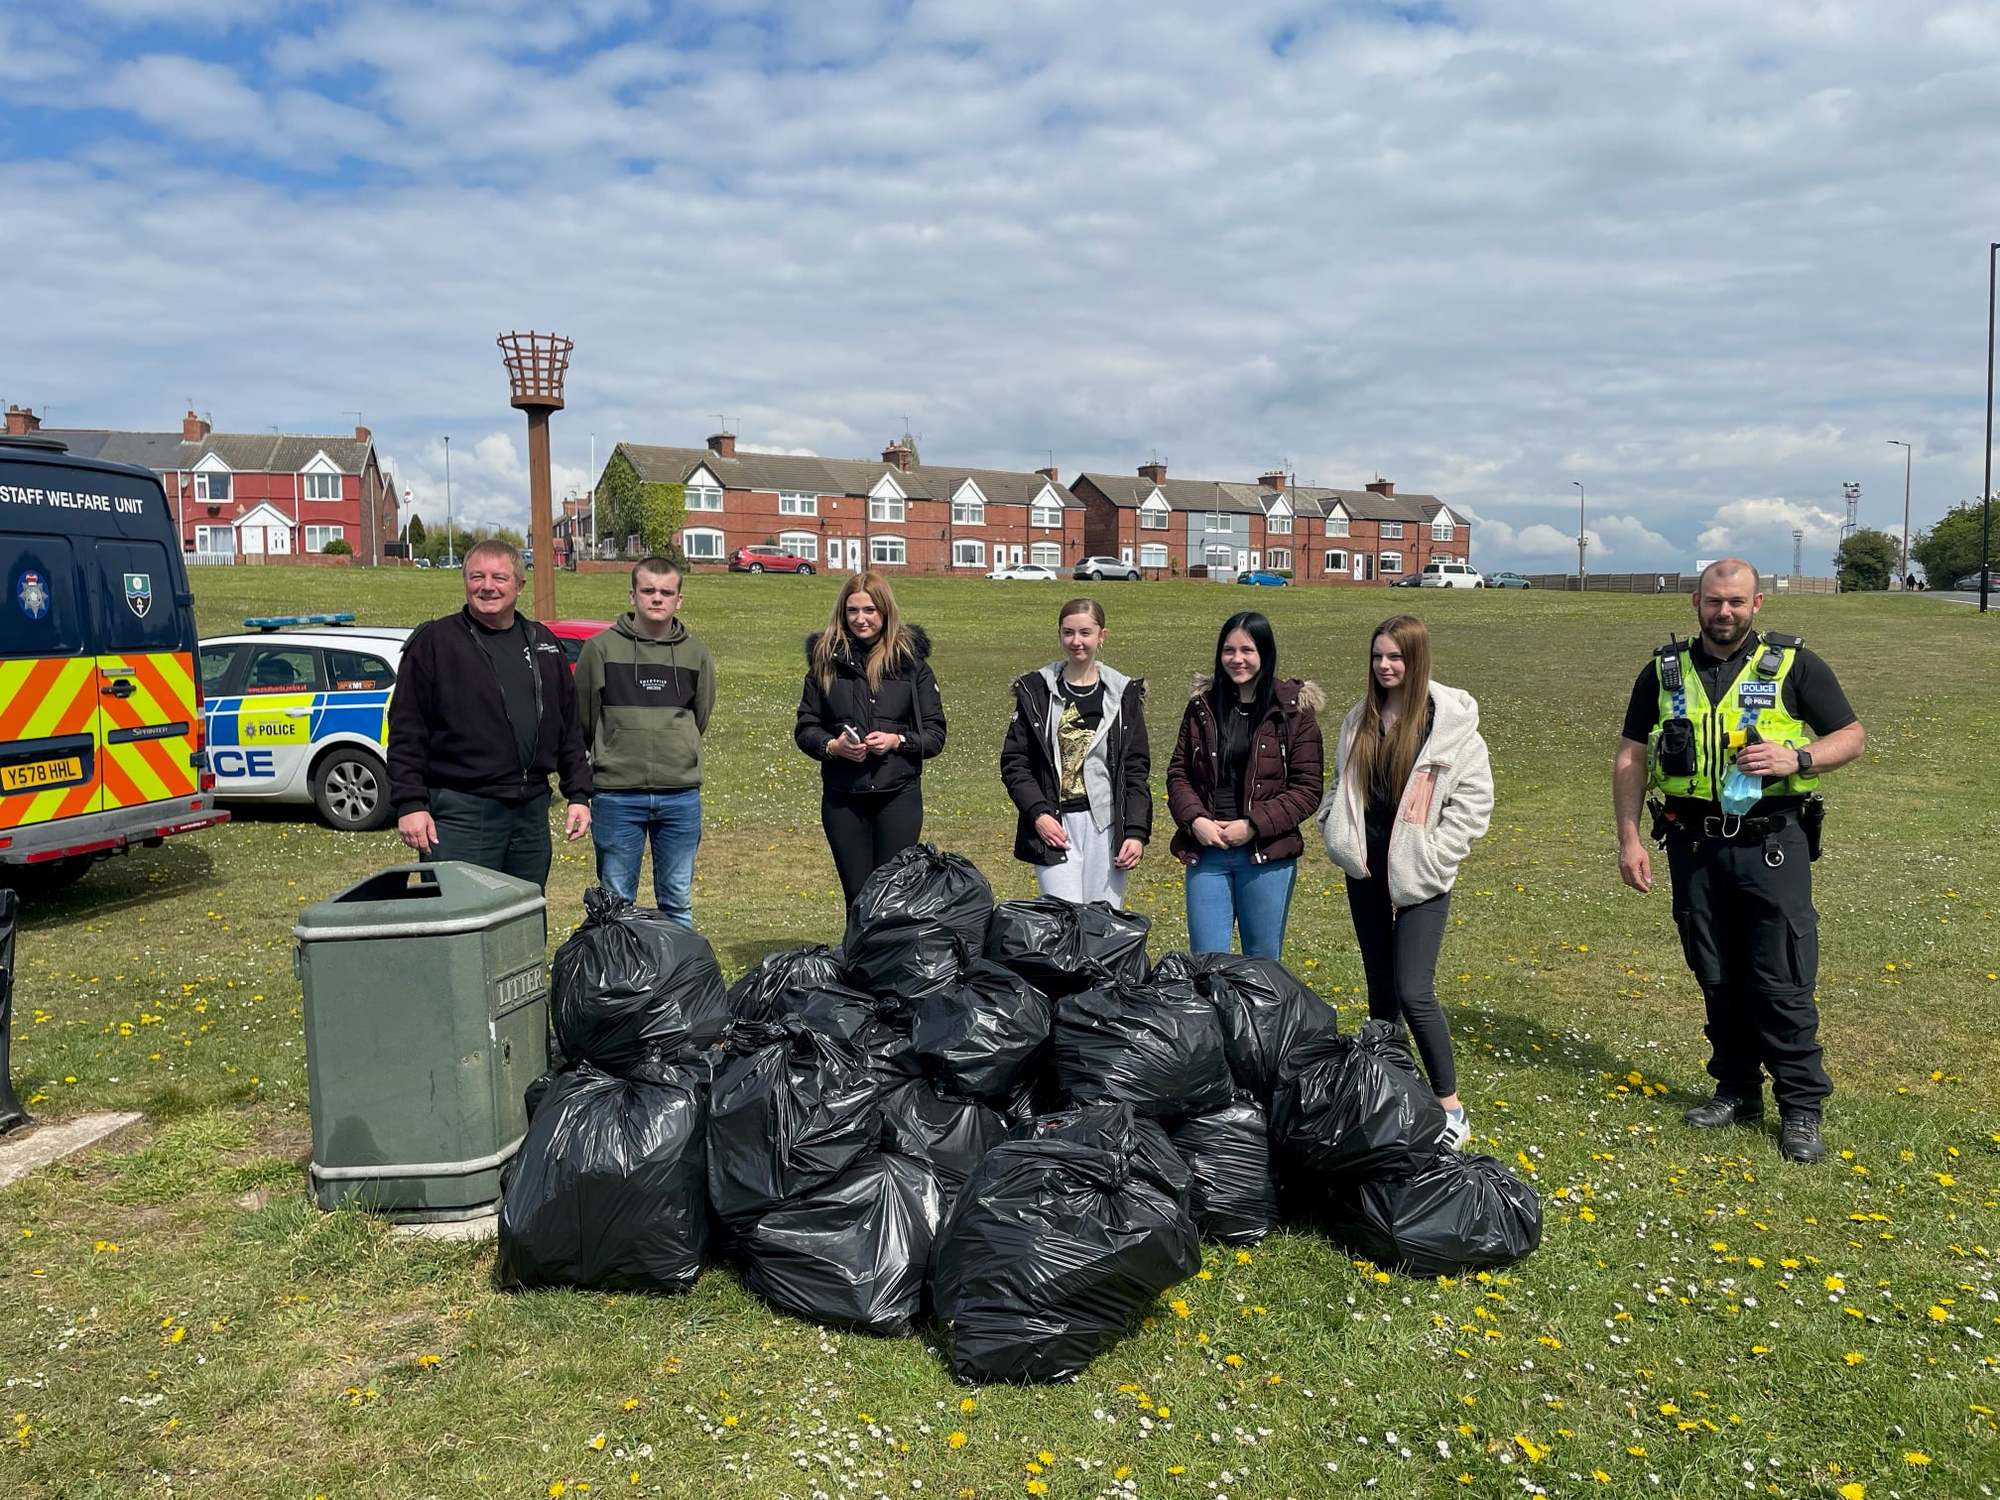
x=251 y=496
x=899 y=513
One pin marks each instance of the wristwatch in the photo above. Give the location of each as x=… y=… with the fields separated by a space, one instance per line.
x=1805 y=761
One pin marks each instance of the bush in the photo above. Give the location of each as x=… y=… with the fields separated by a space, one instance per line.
x=338 y=547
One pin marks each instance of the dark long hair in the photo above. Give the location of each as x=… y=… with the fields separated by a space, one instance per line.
x=1390 y=757
x=1222 y=691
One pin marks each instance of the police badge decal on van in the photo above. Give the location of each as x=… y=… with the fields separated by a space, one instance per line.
x=139 y=593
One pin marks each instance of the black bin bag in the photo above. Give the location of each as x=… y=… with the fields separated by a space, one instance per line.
x=851 y=1253
x=916 y=924
x=947 y=1134
x=1055 y=1245
x=982 y=1035
x=1062 y=947
x=789 y=1111
x=1114 y=1127
x=1156 y=1047
x=1354 y=1106
x=1456 y=1213
x=1228 y=1156
x=769 y=989
x=629 y=985
x=609 y=1189
x=1265 y=1011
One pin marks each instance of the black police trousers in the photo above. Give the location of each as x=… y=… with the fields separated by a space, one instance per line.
x=1751 y=937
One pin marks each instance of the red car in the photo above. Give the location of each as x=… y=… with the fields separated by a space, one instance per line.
x=573 y=633
x=765 y=558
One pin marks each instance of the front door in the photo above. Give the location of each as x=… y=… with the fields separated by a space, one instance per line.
x=1015 y=553
x=1360 y=573
x=146 y=711
x=854 y=554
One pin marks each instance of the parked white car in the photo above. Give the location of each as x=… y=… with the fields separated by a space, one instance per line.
x=1442 y=574
x=1025 y=573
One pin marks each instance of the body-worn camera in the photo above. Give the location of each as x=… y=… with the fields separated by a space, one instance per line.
x=1675 y=748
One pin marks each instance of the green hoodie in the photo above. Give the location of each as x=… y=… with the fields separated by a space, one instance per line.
x=645 y=707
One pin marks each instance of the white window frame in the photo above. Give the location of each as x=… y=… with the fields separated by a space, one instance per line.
x=1153 y=516
x=887 y=508
x=797 y=503
x=1125 y=555
x=704 y=536
x=210 y=533
x=1046 y=554
x=1441 y=531
x=800 y=544
x=1152 y=555
x=317 y=536
x=888 y=551
x=1389 y=531
x=968 y=512
x=968 y=554
x=1335 y=560
x=1045 y=516
x=1336 y=525
x=1278 y=524
x=203 y=479
x=1388 y=562
x=704 y=497
x=1219 y=555
x=1280 y=559
x=322 y=480
x=1214 y=524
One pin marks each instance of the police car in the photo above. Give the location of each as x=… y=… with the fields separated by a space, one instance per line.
x=297 y=710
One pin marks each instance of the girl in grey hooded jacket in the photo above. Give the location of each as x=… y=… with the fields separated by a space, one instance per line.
x=1400 y=836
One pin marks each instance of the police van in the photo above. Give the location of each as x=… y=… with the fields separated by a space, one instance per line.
x=100 y=711
x=298 y=711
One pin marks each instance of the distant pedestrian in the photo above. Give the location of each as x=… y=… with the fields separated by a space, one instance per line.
x=1412 y=789
x=484 y=711
x=870 y=714
x=645 y=688
x=1660 y=583
x=1246 y=772
x=1076 y=762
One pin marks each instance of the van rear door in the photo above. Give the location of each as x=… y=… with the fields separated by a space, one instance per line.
x=50 y=753
x=149 y=720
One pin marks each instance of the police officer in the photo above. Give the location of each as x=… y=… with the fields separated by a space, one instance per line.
x=1742 y=879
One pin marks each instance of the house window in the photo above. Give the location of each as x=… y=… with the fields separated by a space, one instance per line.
x=1220 y=556
x=1048 y=554
x=1389 y=530
x=1440 y=531
x=888 y=551
x=1153 y=555
x=1280 y=558
x=968 y=554
x=1389 y=562
x=209 y=486
x=968 y=513
x=704 y=497
x=797 y=503
x=1278 y=525
x=1153 y=518
x=214 y=541
x=702 y=543
x=1214 y=523
x=1336 y=560
x=883 y=508
x=322 y=486
x=1336 y=526
x=318 y=536
x=1049 y=516
x=800 y=544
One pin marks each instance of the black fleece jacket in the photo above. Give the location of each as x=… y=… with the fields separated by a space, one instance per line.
x=907 y=703
x=448 y=725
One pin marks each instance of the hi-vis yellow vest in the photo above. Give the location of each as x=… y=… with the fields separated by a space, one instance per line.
x=1756 y=699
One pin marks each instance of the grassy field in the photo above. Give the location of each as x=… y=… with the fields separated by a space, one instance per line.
x=1701 y=1320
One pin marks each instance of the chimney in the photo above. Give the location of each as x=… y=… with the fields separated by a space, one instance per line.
x=1049 y=474
x=21 y=421
x=1381 y=487
x=193 y=428
x=899 y=456
x=362 y=434
x=1155 y=471
x=1272 y=479
x=722 y=444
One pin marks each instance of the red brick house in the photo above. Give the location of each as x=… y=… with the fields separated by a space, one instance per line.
x=251 y=496
x=844 y=514
x=1325 y=536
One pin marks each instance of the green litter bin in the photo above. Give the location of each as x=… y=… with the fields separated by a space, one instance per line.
x=426 y=1017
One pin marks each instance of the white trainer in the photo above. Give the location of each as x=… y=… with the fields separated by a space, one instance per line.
x=1457 y=1131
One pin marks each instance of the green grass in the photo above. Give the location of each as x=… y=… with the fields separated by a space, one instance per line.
x=176 y=1318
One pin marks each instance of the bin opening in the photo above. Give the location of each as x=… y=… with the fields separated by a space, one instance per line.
x=411 y=883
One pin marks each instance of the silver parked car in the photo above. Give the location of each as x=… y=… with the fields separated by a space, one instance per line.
x=1095 y=569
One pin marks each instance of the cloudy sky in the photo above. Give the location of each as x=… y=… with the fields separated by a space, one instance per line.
x=1706 y=258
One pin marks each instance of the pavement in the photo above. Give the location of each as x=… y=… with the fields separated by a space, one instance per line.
x=39 y=1145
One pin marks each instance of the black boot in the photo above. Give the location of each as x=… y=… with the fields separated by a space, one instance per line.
x=1724 y=1109
x=1799 y=1138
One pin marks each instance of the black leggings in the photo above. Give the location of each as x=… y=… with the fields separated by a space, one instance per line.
x=863 y=832
x=1399 y=954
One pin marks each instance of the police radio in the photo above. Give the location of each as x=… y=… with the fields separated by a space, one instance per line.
x=1675 y=747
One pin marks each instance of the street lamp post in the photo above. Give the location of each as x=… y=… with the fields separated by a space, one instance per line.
x=450 y=542
x=1904 y=571
x=1582 y=537
x=1986 y=488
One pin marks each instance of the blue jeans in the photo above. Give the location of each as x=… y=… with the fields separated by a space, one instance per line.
x=621 y=824
x=1228 y=890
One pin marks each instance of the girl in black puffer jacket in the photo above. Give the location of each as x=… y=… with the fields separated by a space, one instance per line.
x=870 y=714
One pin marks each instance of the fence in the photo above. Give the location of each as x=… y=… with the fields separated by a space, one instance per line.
x=1675 y=583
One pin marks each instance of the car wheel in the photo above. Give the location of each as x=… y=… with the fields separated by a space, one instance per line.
x=351 y=790
x=805 y=569
x=38 y=882
x=1094 y=576
x=756 y=567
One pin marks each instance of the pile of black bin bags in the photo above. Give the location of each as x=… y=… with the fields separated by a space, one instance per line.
x=1000 y=1116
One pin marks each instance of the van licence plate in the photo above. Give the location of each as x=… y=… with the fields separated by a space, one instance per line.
x=38 y=774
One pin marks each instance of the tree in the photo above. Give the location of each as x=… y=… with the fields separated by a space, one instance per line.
x=1950 y=549
x=1866 y=562
x=617 y=500
x=416 y=535
x=657 y=515
x=510 y=536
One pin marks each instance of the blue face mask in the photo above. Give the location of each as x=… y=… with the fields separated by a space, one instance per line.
x=1740 y=792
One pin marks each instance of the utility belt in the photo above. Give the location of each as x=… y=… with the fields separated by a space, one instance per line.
x=1696 y=825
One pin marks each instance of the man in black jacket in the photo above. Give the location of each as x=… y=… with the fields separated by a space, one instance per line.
x=484 y=710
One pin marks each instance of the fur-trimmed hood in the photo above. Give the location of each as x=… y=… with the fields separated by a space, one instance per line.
x=920 y=642
x=1290 y=693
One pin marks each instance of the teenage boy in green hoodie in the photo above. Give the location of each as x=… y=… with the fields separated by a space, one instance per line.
x=644 y=688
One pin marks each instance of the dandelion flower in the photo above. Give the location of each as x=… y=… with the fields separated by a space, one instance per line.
x=1920 y=1460
x=957 y=1440
x=1853 y=1358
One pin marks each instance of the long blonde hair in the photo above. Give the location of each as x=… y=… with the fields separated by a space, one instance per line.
x=1396 y=753
x=893 y=646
